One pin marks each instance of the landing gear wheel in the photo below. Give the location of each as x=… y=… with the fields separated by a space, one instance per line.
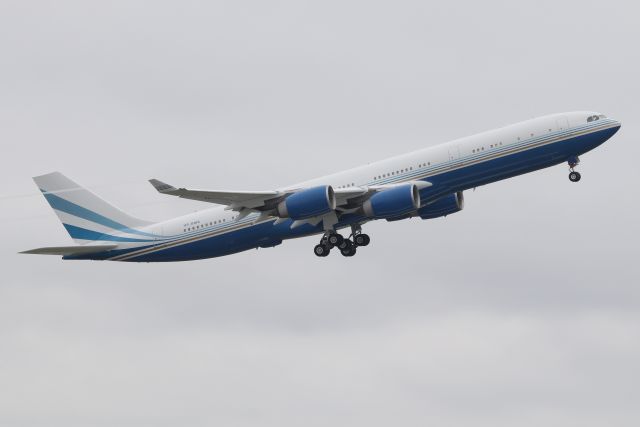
x=344 y=244
x=321 y=250
x=574 y=176
x=335 y=239
x=345 y=247
x=361 y=240
x=348 y=251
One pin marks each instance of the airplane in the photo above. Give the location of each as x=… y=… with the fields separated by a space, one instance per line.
x=427 y=183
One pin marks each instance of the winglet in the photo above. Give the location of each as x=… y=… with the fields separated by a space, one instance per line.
x=162 y=187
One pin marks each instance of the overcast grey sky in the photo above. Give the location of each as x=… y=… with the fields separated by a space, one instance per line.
x=523 y=309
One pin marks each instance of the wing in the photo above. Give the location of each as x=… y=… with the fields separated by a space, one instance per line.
x=236 y=200
x=347 y=200
x=70 y=250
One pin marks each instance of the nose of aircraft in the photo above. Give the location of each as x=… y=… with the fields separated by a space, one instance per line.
x=616 y=126
x=618 y=123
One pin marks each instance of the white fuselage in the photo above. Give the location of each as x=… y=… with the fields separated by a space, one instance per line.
x=420 y=164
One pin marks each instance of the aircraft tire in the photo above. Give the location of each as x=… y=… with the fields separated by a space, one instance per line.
x=321 y=250
x=574 y=176
x=362 y=240
x=335 y=239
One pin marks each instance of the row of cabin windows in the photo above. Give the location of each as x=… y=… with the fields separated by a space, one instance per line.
x=479 y=149
x=347 y=185
x=208 y=224
x=398 y=172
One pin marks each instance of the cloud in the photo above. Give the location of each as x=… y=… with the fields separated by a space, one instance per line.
x=521 y=309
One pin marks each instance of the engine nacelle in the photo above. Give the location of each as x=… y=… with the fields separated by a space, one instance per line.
x=392 y=202
x=308 y=203
x=444 y=206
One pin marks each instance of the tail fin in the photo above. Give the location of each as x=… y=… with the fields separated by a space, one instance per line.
x=86 y=216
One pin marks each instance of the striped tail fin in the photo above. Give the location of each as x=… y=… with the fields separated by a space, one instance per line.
x=86 y=216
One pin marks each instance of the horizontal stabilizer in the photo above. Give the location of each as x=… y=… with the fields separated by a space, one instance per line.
x=70 y=250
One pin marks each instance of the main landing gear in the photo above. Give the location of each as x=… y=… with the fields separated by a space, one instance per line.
x=347 y=246
x=574 y=176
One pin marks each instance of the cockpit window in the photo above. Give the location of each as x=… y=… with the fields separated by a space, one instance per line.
x=596 y=117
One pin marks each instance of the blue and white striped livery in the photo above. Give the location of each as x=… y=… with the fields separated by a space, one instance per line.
x=428 y=183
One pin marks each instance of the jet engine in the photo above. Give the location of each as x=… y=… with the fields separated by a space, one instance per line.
x=444 y=206
x=308 y=203
x=392 y=202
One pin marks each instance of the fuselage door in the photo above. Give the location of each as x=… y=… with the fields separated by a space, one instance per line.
x=454 y=152
x=158 y=231
x=562 y=123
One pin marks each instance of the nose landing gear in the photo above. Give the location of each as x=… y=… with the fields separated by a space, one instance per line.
x=574 y=176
